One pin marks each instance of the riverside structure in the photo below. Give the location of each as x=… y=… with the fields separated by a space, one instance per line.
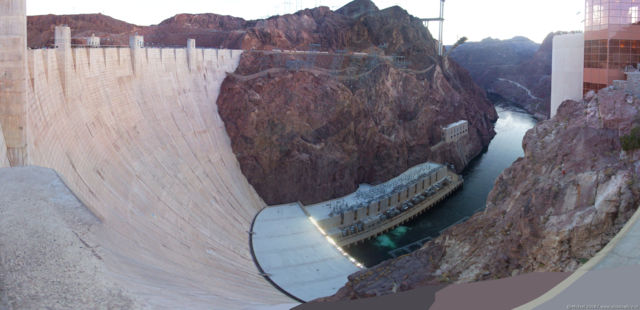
x=373 y=210
x=453 y=132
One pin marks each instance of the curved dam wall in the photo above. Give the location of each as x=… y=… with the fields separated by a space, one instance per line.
x=135 y=134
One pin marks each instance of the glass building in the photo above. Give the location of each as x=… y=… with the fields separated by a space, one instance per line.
x=612 y=41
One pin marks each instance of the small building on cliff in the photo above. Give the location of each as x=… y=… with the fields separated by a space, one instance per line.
x=453 y=132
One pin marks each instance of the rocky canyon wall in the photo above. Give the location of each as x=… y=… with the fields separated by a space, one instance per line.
x=551 y=210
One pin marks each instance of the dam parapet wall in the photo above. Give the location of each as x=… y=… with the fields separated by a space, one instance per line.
x=127 y=61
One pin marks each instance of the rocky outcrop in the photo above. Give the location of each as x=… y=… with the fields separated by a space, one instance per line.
x=513 y=70
x=358 y=8
x=550 y=211
x=297 y=31
x=391 y=32
x=205 y=21
x=313 y=127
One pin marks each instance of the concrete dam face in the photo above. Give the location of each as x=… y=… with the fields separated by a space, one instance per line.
x=135 y=134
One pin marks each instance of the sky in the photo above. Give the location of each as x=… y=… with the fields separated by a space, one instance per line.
x=475 y=19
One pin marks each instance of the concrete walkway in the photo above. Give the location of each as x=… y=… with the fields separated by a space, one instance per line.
x=608 y=281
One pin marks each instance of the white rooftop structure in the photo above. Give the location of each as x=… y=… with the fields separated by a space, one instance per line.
x=93 y=41
x=455 y=131
x=458 y=123
x=296 y=256
x=367 y=193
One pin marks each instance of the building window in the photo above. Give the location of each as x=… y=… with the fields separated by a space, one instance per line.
x=633 y=14
x=623 y=53
x=592 y=86
x=595 y=54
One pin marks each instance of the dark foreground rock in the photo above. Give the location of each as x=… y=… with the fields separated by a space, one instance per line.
x=550 y=211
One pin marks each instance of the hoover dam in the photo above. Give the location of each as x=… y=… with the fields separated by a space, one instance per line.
x=119 y=189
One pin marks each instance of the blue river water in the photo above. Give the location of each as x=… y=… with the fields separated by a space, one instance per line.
x=479 y=177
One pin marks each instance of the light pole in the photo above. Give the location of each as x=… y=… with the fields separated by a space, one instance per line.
x=440 y=46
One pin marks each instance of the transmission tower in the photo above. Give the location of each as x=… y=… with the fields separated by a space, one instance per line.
x=440 y=19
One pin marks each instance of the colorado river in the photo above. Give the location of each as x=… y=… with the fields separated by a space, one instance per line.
x=479 y=177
